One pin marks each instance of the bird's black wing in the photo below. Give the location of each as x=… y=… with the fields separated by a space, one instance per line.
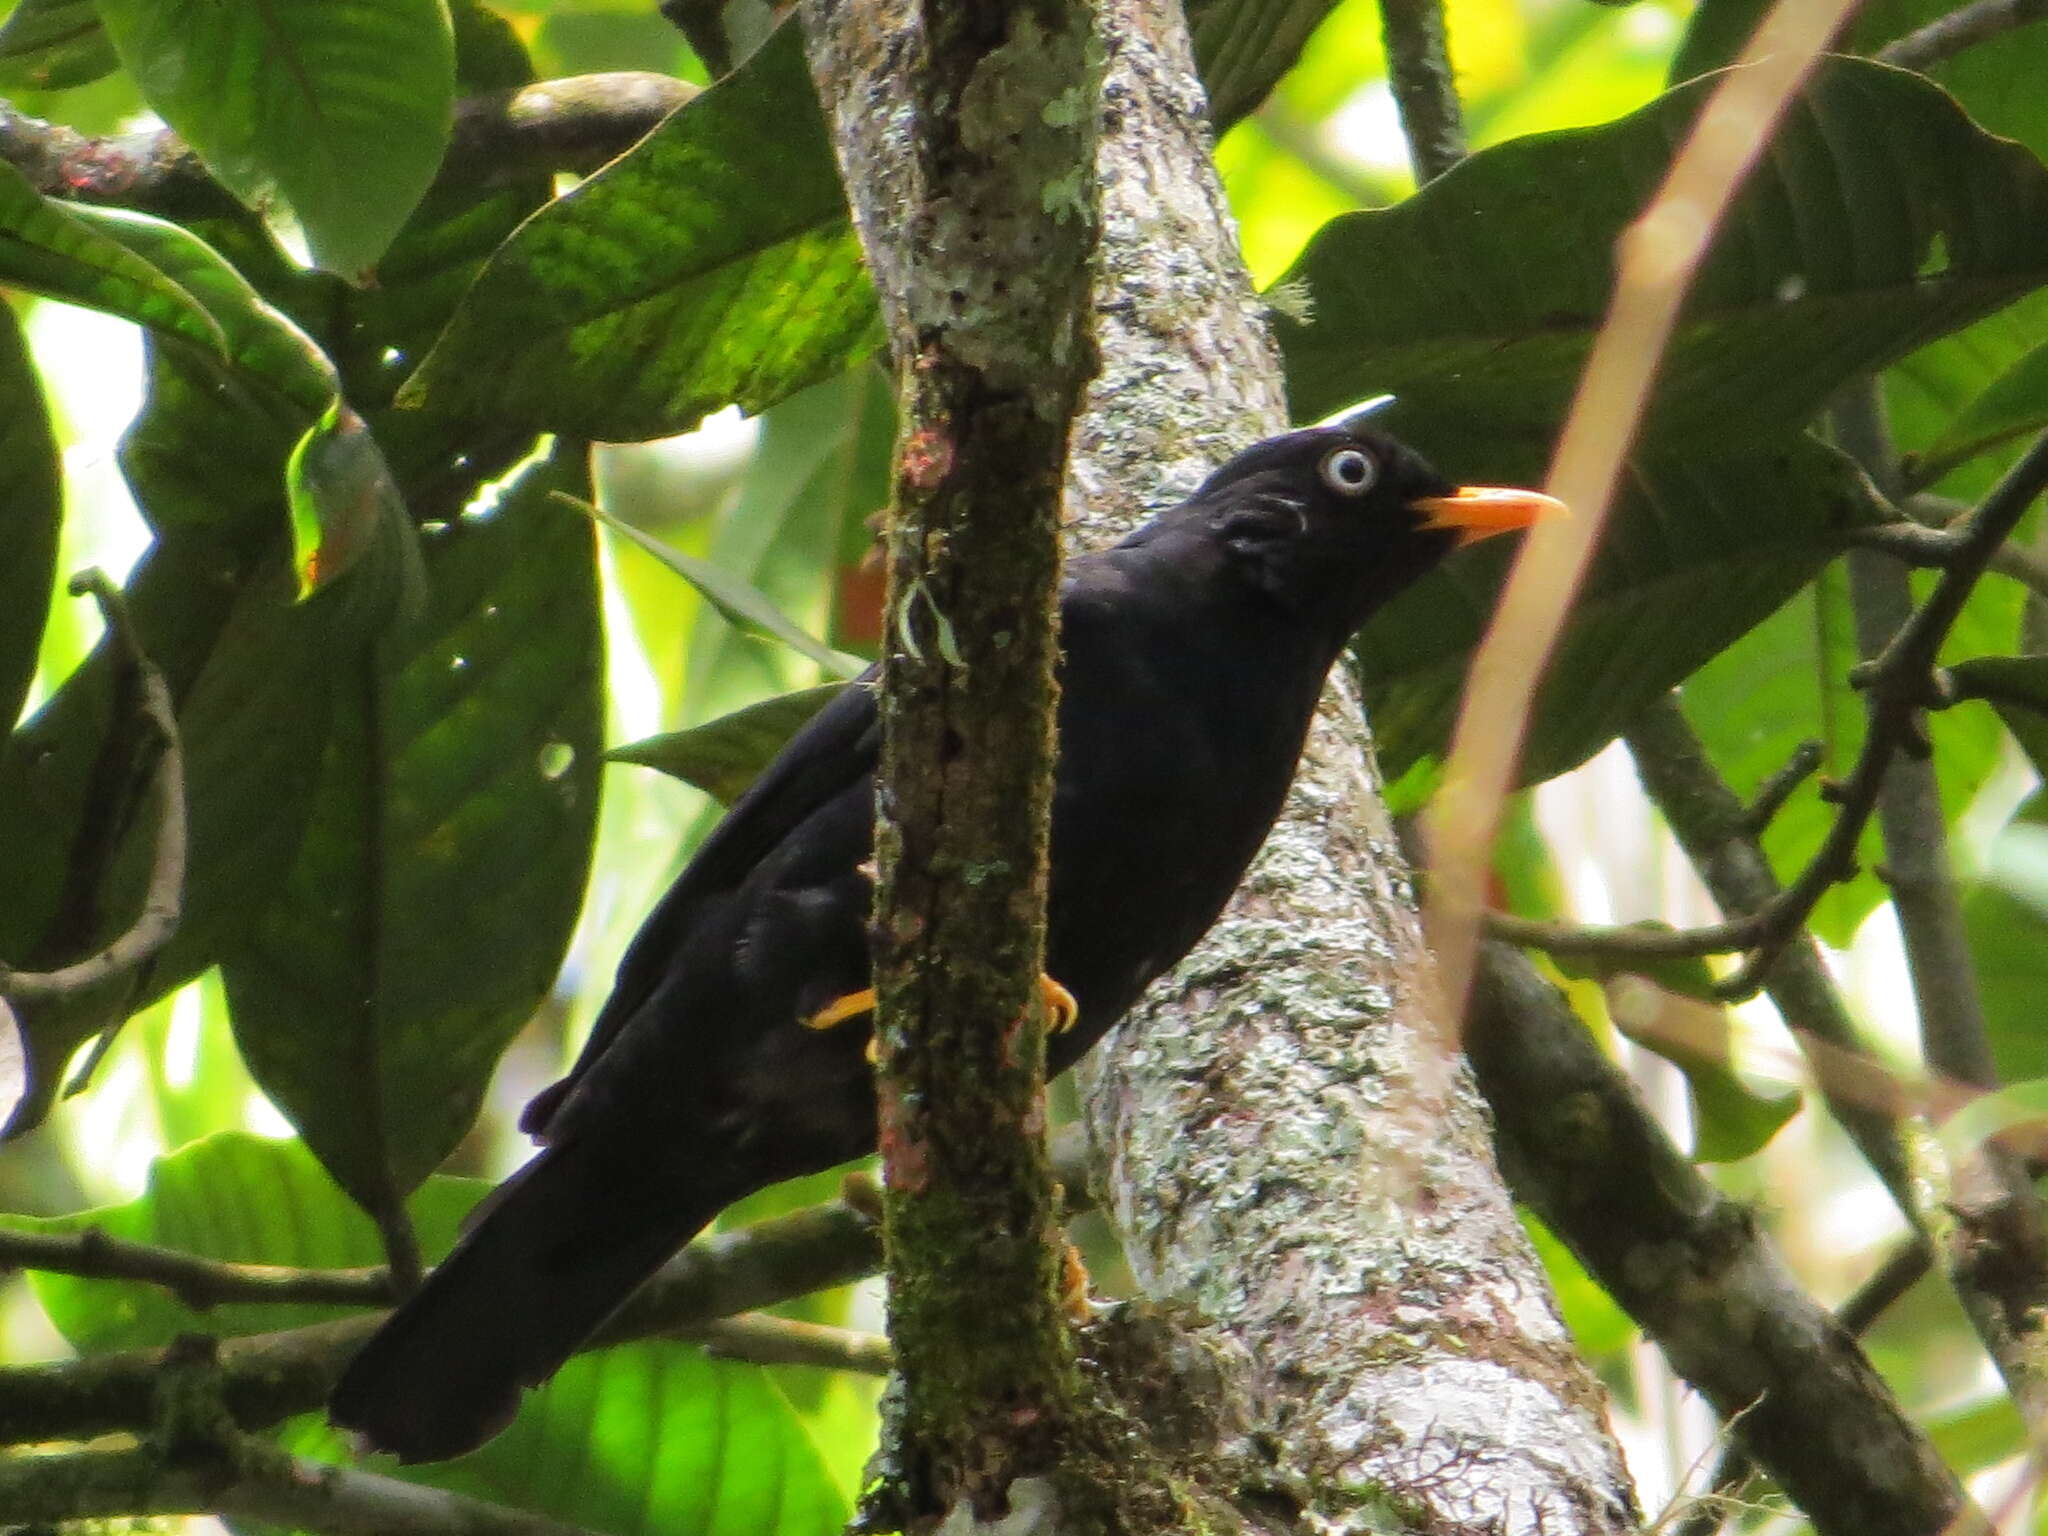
x=837 y=747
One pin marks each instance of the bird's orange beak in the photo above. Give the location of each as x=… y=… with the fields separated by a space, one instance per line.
x=1476 y=512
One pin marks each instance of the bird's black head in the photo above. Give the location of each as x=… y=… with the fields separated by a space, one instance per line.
x=1332 y=521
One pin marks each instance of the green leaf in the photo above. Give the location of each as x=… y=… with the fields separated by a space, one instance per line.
x=2019 y=1106
x=2014 y=404
x=1721 y=542
x=2007 y=923
x=52 y=45
x=241 y=1199
x=439 y=878
x=1880 y=218
x=2017 y=687
x=1598 y=1326
x=51 y=251
x=1243 y=47
x=713 y=264
x=31 y=510
x=649 y=1439
x=723 y=756
x=738 y=602
x=1997 y=78
x=342 y=110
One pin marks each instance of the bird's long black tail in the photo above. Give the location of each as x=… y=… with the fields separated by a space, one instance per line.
x=562 y=1245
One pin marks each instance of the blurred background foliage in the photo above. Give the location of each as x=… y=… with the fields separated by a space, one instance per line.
x=426 y=846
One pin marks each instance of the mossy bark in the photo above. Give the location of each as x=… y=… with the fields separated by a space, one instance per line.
x=993 y=349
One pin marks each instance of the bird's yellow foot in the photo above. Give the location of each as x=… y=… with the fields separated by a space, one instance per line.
x=1062 y=1013
x=1074 y=1286
x=840 y=1009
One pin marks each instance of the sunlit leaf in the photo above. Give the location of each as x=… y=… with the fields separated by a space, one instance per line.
x=31 y=506
x=2005 y=913
x=723 y=756
x=238 y=1198
x=341 y=110
x=1243 y=46
x=711 y=265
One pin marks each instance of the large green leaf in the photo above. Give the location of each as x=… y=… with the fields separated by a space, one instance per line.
x=1700 y=551
x=443 y=867
x=1997 y=77
x=51 y=45
x=1880 y=218
x=342 y=110
x=31 y=506
x=713 y=264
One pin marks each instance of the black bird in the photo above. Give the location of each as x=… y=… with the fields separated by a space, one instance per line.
x=732 y=1052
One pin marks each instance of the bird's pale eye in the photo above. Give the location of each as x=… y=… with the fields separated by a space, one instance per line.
x=1349 y=471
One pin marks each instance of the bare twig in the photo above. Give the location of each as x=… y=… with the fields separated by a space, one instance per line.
x=157 y=920
x=574 y=124
x=1949 y=35
x=250 y=1482
x=765 y=1340
x=1630 y=946
x=1772 y=794
x=1934 y=548
x=197 y=1282
x=1656 y=260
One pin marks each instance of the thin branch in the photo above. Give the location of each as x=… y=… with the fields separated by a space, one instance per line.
x=199 y=1283
x=1425 y=86
x=254 y=1483
x=1946 y=36
x=765 y=1340
x=162 y=901
x=1776 y=790
x=574 y=124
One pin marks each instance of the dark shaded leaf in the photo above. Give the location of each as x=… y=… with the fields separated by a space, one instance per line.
x=31 y=510
x=1243 y=47
x=1880 y=218
x=1700 y=551
x=52 y=45
x=723 y=756
x=443 y=866
x=713 y=264
x=342 y=110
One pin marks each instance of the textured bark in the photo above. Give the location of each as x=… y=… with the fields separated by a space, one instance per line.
x=991 y=339
x=1287 y=1146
